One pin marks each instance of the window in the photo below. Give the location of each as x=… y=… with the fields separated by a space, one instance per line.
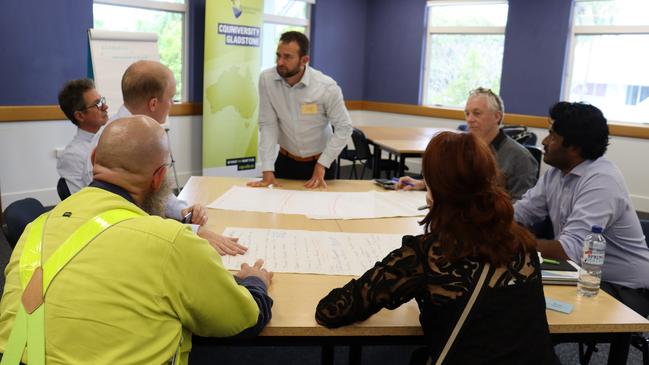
x=281 y=16
x=464 y=49
x=165 y=18
x=608 y=56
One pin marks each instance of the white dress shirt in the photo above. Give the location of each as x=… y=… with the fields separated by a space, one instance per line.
x=174 y=205
x=300 y=118
x=593 y=193
x=71 y=164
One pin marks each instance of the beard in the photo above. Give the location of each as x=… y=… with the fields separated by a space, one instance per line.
x=286 y=73
x=156 y=202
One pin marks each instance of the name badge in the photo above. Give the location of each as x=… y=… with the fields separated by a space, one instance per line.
x=309 y=108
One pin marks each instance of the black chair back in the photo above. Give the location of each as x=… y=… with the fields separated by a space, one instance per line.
x=520 y=134
x=18 y=215
x=62 y=189
x=361 y=145
x=537 y=153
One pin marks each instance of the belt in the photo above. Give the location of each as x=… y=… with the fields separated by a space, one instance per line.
x=284 y=152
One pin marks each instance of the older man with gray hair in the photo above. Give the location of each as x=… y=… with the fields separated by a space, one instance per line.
x=484 y=113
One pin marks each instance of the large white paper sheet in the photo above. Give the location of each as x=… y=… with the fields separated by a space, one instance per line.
x=311 y=252
x=323 y=205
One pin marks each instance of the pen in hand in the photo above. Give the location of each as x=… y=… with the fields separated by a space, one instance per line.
x=396 y=181
x=188 y=217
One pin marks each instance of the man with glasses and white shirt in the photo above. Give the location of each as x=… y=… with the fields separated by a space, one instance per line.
x=82 y=104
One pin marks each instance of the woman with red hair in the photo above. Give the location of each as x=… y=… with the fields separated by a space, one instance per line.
x=474 y=272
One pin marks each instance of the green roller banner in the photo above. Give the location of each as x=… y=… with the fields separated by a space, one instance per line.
x=230 y=100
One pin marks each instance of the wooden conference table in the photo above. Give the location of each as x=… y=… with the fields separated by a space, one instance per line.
x=403 y=142
x=295 y=296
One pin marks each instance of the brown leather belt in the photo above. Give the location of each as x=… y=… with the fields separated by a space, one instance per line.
x=298 y=158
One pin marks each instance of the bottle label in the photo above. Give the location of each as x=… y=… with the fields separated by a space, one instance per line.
x=594 y=258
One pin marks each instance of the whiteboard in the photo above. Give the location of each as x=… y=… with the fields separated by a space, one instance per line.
x=111 y=53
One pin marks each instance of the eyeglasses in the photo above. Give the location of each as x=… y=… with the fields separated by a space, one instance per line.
x=165 y=165
x=99 y=104
x=489 y=93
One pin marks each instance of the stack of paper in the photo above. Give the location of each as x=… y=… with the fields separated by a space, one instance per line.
x=565 y=273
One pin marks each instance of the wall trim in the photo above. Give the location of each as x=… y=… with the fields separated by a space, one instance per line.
x=52 y=112
x=26 y=113
x=30 y=113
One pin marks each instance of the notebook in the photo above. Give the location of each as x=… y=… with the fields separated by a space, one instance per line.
x=565 y=273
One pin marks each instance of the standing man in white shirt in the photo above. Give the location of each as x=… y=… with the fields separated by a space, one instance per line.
x=299 y=106
x=82 y=104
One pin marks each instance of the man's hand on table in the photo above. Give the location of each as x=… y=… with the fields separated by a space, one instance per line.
x=268 y=178
x=222 y=244
x=317 y=179
x=255 y=270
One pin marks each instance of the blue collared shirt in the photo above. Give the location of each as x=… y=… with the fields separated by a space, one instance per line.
x=299 y=117
x=593 y=193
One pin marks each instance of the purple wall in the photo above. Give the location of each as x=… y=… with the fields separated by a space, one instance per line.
x=43 y=44
x=394 y=50
x=372 y=48
x=535 y=52
x=338 y=43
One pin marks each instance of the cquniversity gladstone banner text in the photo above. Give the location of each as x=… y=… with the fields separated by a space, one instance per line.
x=230 y=100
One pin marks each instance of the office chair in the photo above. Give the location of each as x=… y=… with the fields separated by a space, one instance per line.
x=364 y=155
x=520 y=134
x=638 y=340
x=537 y=153
x=18 y=215
x=62 y=189
x=350 y=155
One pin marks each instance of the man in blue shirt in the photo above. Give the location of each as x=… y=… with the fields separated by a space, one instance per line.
x=582 y=189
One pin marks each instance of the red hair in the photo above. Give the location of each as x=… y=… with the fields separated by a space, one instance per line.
x=471 y=215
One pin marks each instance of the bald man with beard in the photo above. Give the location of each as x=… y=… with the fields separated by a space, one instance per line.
x=139 y=287
x=148 y=88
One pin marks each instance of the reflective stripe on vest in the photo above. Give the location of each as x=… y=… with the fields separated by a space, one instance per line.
x=29 y=325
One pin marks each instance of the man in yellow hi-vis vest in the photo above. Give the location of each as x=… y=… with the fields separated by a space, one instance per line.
x=100 y=281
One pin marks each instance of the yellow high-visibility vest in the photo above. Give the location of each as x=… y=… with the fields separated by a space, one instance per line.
x=28 y=329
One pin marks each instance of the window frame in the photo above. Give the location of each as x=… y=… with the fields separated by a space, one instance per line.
x=182 y=9
x=452 y=30
x=580 y=30
x=293 y=21
x=288 y=21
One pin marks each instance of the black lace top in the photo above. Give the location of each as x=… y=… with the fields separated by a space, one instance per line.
x=507 y=324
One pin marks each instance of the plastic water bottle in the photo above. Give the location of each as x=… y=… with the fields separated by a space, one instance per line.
x=592 y=260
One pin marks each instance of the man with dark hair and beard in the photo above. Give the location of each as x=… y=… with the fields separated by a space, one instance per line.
x=135 y=285
x=303 y=111
x=582 y=189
